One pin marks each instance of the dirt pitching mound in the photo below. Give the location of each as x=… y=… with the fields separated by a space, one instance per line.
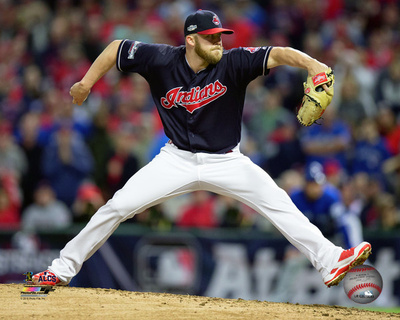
x=90 y=303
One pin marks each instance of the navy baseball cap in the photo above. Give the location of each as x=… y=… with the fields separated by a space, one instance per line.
x=315 y=172
x=204 y=22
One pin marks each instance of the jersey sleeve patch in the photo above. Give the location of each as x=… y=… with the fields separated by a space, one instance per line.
x=129 y=59
x=132 y=50
x=249 y=62
x=143 y=58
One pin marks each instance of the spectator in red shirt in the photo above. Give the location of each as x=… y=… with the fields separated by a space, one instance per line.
x=389 y=129
x=200 y=213
x=10 y=201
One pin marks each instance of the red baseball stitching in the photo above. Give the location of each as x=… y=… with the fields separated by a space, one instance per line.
x=362 y=286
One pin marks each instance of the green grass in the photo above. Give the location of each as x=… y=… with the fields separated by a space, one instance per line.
x=389 y=310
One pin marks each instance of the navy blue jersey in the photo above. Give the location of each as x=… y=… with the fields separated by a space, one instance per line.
x=200 y=112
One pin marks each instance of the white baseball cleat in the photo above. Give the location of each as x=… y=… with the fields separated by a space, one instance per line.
x=348 y=259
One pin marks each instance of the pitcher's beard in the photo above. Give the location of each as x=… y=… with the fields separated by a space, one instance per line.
x=212 y=57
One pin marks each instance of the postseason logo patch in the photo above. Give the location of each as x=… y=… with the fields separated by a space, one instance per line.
x=192 y=27
x=132 y=50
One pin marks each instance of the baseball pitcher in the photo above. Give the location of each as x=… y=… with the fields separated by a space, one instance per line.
x=199 y=91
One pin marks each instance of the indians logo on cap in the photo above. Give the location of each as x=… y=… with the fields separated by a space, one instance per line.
x=216 y=20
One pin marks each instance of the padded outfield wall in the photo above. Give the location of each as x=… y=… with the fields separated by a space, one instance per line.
x=217 y=263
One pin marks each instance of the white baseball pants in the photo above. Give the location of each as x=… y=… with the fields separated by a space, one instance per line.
x=174 y=172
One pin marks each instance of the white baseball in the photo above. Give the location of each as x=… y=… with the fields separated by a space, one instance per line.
x=363 y=284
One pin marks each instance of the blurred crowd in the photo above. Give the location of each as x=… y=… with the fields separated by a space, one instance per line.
x=60 y=162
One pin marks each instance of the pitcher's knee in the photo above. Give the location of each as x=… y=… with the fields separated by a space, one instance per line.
x=125 y=211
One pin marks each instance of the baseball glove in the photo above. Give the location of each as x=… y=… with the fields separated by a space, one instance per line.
x=316 y=99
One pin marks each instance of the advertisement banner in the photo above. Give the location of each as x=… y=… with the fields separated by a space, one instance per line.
x=213 y=263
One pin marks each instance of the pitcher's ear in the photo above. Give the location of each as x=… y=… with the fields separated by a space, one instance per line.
x=190 y=39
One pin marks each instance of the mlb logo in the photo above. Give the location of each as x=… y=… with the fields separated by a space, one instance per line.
x=168 y=265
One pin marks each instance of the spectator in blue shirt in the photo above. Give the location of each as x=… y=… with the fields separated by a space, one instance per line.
x=66 y=162
x=327 y=142
x=370 y=151
x=322 y=203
